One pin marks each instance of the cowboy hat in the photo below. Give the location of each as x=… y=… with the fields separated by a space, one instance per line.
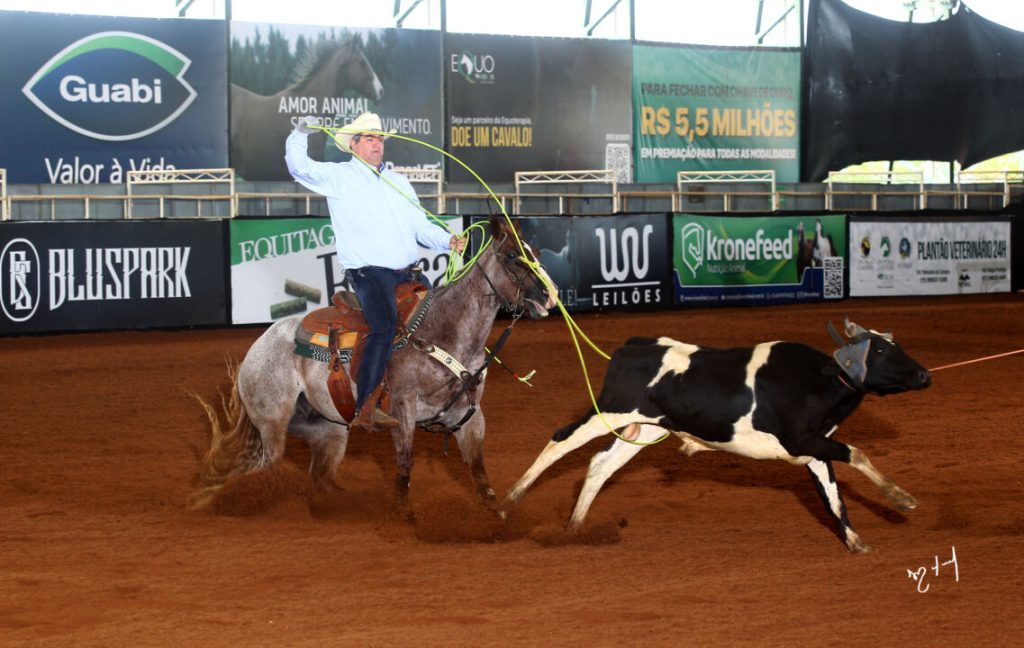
x=364 y=123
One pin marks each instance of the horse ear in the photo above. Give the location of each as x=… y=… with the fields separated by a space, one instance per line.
x=496 y=226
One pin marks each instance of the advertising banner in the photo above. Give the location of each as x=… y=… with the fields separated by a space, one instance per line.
x=111 y=275
x=623 y=262
x=87 y=98
x=282 y=72
x=554 y=241
x=537 y=104
x=715 y=109
x=603 y=262
x=289 y=266
x=722 y=260
x=933 y=256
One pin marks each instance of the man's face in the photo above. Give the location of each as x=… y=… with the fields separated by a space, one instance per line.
x=370 y=147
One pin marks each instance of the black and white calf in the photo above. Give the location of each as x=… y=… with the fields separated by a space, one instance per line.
x=776 y=400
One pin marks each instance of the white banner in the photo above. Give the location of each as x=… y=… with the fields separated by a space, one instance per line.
x=282 y=267
x=928 y=257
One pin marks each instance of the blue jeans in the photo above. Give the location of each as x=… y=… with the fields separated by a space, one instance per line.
x=375 y=288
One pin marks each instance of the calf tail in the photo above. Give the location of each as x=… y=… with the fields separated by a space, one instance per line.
x=235 y=446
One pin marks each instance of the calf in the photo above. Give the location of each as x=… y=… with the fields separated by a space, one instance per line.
x=776 y=400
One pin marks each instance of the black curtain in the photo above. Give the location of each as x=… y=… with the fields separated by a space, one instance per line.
x=878 y=89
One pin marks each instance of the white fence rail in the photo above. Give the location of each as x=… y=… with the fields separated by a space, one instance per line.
x=1008 y=181
x=525 y=179
x=692 y=185
x=179 y=177
x=842 y=191
x=913 y=181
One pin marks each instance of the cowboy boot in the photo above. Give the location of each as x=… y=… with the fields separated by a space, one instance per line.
x=371 y=417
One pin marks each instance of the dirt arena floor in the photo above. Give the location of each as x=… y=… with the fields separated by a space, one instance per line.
x=101 y=438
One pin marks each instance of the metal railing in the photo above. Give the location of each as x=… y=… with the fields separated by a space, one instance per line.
x=416 y=176
x=596 y=176
x=1008 y=181
x=687 y=186
x=176 y=177
x=913 y=179
x=87 y=201
x=695 y=191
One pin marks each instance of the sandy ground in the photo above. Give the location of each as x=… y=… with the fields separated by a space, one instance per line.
x=101 y=438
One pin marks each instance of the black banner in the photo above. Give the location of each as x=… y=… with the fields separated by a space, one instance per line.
x=884 y=90
x=623 y=262
x=604 y=262
x=541 y=104
x=61 y=276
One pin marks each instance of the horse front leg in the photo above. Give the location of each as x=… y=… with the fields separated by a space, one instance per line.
x=471 y=444
x=402 y=437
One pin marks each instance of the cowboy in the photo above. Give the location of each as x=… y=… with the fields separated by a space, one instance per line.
x=377 y=226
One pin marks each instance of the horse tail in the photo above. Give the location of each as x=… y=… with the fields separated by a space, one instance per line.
x=236 y=446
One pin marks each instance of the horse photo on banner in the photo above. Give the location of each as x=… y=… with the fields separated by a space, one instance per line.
x=282 y=72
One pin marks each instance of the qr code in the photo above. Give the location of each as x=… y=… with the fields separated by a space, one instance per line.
x=833 y=267
x=618 y=157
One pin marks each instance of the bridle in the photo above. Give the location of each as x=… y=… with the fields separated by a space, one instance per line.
x=470 y=381
x=518 y=280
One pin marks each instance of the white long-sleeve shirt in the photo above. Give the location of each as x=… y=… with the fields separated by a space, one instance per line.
x=374 y=223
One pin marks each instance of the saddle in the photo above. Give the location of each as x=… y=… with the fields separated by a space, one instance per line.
x=336 y=335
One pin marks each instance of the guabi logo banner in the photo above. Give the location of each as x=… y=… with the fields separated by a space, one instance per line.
x=88 y=98
x=138 y=80
x=756 y=260
x=715 y=109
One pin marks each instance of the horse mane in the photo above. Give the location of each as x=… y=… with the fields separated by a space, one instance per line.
x=315 y=57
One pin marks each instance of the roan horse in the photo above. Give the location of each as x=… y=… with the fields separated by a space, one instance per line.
x=276 y=391
x=258 y=129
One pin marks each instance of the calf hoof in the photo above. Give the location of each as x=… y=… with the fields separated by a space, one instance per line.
x=859 y=548
x=853 y=542
x=504 y=509
x=900 y=498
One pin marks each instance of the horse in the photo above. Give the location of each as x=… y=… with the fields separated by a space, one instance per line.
x=276 y=392
x=258 y=129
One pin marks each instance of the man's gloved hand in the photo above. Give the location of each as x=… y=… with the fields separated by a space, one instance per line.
x=306 y=125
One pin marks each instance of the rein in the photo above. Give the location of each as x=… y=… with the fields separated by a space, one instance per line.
x=469 y=381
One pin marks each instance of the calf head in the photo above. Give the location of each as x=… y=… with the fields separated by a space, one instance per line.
x=875 y=363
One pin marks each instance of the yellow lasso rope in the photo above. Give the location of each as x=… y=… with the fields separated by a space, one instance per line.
x=454 y=275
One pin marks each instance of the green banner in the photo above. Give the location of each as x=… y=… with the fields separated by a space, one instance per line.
x=758 y=259
x=288 y=266
x=715 y=109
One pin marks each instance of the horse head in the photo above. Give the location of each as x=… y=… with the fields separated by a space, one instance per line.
x=355 y=72
x=514 y=274
x=331 y=67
